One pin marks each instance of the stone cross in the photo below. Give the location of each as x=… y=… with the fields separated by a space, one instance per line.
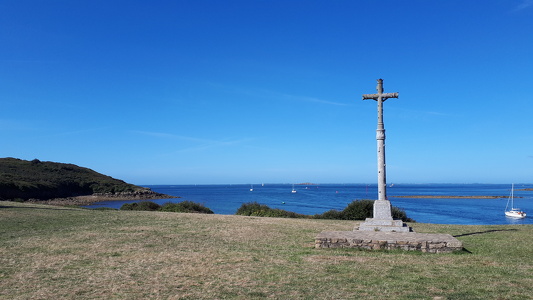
x=382 y=219
x=380 y=97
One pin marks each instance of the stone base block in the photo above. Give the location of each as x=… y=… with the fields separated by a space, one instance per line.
x=378 y=240
x=386 y=225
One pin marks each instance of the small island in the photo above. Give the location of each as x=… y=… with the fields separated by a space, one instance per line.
x=64 y=184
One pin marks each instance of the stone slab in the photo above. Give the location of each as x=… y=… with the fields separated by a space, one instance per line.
x=373 y=224
x=379 y=240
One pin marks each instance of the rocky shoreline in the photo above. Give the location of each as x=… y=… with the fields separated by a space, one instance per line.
x=99 y=197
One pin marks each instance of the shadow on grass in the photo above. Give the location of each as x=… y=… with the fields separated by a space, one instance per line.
x=482 y=232
x=463 y=251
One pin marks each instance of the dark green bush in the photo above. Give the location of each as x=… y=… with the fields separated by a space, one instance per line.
x=248 y=209
x=260 y=210
x=183 y=207
x=357 y=210
x=360 y=210
x=143 y=205
x=103 y=208
x=330 y=214
x=148 y=205
x=186 y=207
x=127 y=206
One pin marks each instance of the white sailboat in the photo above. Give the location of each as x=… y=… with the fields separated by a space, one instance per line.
x=251 y=188
x=513 y=212
x=293 y=190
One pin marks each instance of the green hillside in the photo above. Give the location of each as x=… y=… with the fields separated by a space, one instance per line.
x=22 y=179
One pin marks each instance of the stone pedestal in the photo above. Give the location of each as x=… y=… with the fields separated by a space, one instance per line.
x=382 y=220
x=383 y=225
x=411 y=241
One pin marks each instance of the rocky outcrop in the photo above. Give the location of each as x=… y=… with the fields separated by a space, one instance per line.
x=141 y=194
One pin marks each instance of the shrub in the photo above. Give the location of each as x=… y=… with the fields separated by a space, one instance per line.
x=186 y=207
x=143 y=205
x=101 y=208
x=357 y=210
x=127 y=206
x=360 y=210
x=260 y=210
x=148 y=205
x=250 y=208
x=330 y=214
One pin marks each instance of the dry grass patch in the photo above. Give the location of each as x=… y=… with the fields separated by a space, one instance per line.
x=62 y=253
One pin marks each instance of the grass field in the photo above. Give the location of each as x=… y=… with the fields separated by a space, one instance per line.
x=51 y=252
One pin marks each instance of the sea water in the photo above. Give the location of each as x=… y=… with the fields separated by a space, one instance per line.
x=319 y=198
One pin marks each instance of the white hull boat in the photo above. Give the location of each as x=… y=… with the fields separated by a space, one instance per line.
x=513 y=212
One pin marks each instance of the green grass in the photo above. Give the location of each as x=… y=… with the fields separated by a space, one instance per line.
x=49 y=252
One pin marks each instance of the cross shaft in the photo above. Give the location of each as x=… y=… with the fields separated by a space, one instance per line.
x=380 y=97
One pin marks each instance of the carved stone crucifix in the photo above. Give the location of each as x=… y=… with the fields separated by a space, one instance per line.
x=382 y=219
x=380 y=97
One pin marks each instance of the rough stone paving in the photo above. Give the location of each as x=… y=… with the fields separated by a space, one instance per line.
x=411 y=241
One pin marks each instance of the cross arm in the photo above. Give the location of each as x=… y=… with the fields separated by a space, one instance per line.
x=370 y=97
x=384 y=96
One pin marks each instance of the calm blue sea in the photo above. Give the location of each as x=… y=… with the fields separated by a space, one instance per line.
x=316 y=199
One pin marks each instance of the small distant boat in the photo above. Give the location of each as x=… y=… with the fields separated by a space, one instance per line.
x=251 y=188
x=293 y=190
x=513 y=212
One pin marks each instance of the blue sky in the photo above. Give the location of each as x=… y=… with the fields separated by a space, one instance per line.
x=194 y=92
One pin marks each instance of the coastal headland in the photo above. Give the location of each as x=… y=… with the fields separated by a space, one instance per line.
x=64 y=184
